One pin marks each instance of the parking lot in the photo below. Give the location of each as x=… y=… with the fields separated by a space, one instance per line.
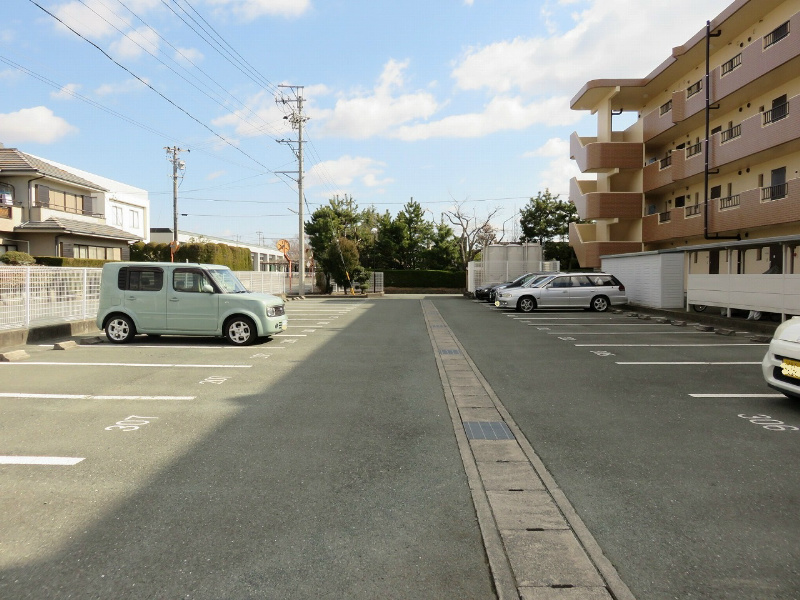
x=322 y=462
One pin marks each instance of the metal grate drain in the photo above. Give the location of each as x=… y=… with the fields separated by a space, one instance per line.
x=487 y=430
x=449 y=351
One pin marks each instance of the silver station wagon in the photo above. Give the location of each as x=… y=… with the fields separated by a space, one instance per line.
x=595 y=291
x=184 y=299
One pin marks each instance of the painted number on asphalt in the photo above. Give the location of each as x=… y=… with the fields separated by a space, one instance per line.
x=131 y=423
x=602 y=353
x=216 y=379
x=769 y=423
x=567 y=339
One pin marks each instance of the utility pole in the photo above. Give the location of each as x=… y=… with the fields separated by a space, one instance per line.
x=296 y=118
x=177 y=165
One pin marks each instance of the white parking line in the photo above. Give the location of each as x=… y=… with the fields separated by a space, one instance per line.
x=626 y=333
x=90 y=397
x=63 y=461
x=668 y=345
x=152 y=365
x=687 y=363
x=553 y=318
x=737 y=395
x=290 y=335
x=601 y=324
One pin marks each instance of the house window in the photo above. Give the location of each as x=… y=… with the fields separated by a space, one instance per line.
x=134 y=219
x=6 y=194
x=118 y=216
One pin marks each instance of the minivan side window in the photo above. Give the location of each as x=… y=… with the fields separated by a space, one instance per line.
x=140 y=279
x=189 y=280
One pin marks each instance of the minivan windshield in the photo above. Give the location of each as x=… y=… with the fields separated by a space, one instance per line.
x=227 y=281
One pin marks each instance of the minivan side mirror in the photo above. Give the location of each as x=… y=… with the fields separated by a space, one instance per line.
x=207 y=289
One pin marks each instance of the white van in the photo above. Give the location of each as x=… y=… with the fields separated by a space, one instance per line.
x=183 y=299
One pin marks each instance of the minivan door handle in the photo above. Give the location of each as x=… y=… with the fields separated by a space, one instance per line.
x=174 y=299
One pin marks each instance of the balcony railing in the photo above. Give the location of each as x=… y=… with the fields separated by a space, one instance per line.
x=729 y=66
x=729 y=202
x=774 y=192
x=731 y=133
x=776 y=35
x=665 y=162
x=694 y=149
x=666 y=107
x=694 y=88
x=691 y=211
x=776 y=114
x=664 y=217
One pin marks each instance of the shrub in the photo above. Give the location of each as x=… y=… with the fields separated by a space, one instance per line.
x=17 y=258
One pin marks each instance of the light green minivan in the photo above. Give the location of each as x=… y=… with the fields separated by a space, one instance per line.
x=184 y=299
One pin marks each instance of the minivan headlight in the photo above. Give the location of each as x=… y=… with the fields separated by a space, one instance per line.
x=270 y=311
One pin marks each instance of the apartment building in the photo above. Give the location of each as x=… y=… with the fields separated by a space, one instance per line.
x=710 y=167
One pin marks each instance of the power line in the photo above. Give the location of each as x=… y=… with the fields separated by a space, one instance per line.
x=127 y=70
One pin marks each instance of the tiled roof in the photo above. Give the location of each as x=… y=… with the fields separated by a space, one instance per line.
x=13 y=160
x=77 y=227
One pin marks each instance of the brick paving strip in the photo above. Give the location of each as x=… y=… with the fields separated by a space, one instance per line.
x=537 y=546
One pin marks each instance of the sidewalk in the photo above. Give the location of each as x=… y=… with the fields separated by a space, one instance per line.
x=710 y=317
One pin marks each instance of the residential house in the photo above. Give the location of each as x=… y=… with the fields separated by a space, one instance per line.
x=46 y=210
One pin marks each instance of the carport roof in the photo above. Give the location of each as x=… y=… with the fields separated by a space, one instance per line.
x=59 y=225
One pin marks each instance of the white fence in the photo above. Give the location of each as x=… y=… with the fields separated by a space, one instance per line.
x=47 y=295
x=499 y=271
x=34 y=296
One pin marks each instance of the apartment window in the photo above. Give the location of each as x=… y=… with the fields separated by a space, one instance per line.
x=680 y=201
x=694 y=150
x=716 y=192
x=778 y=187
x=730 y=65
x=694 y=88
x=776 y=35
x=134 y=220
x=666 y=107
x=779 y=110
x=118 y=216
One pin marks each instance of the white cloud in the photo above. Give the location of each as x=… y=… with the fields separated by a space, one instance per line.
x=563 y=61
x=67 y=92
x=379 y=111
x=37 y=125
x=135 y=43
x=126 y=87
x=345 y=171
x=500 y=114
x=249 y=10
x=261 y=116
x=99 y=18
x=215 y=175
x=188 y=56
x=552 y=147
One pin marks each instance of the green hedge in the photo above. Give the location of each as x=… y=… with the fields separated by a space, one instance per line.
x=425 y=279
x=238 y=259
x=63 y=261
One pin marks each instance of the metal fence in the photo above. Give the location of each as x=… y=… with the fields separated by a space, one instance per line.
x=34 y=296
x=31 y=296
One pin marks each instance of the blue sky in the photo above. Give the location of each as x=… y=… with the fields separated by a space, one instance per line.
x=445 y=101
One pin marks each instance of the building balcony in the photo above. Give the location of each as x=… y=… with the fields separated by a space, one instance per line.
x=592 y=204
x=771 y=54
x=582 y=238
x=675 y=223
x=763 y=132
x=600 y=157
x=759 y=207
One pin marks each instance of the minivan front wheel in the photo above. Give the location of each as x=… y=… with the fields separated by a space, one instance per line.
x=599 y=304
x=240 y=331
x=526 y=304
x=120 y=329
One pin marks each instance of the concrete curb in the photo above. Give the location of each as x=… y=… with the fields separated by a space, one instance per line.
x=43 y=333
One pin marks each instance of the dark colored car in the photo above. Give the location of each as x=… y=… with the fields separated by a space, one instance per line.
x=482 y=292
x=519 y=281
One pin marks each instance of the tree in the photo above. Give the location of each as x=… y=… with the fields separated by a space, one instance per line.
x=472 y=234
x=546 y=219
x=417 y=235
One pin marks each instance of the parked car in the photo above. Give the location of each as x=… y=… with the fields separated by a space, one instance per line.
x=781 y=364
x=519 y=281
x=507 y=297
x=183 y=299
x=482 y=292
x=594 y=291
